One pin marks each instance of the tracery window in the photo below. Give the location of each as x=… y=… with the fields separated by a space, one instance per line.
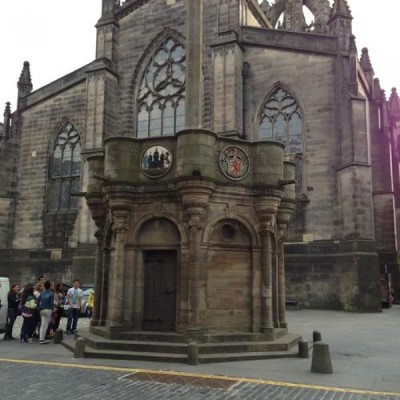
x=65 y=168
x=161 y=99
x=281 y=120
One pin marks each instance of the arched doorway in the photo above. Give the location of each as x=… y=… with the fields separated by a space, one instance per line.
x=159 y=240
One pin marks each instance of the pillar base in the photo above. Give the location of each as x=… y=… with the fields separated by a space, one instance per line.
x=195 y=334
x=269 y=333
x=115 y=326
x=96 y=322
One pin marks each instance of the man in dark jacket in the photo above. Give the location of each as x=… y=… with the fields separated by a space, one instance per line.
x=46 y=306
x=12 y=311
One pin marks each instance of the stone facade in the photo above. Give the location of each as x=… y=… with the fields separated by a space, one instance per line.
x=260 y=86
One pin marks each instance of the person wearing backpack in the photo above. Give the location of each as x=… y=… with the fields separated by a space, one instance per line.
x=29 y=310
x=46 y=305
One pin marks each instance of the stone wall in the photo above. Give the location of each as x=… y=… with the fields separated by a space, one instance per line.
x=6 y=210
x=41 y=123
x=296 y=71
x=341 y=275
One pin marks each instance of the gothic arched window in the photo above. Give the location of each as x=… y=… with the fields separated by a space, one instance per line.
x=65 y=169
x=161 y=98
x=281 y=120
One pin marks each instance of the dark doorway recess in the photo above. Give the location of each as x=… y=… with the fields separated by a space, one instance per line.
x=160 y=291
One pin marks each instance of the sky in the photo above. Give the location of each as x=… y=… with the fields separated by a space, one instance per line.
x=58 y=36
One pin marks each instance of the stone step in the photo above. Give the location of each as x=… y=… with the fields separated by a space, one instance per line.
x=282 y=344
x=141 y=346
x=219 y=349
x=182 y=358
x=247 y=356
x=180 y=338
x=141 y=335
x=242 y=336
x=97 y=343
x=181 y=348
x=135 y=355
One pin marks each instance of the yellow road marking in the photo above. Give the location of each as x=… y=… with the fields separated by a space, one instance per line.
x=205 y=376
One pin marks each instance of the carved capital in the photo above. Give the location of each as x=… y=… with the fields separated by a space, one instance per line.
x=267 y=209
x=96 y=206
x=265 y=230
x=195 y=214
x=282 y=232
x=120 y=221
x=192 y=224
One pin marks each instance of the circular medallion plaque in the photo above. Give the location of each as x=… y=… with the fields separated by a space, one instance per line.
x=234 y=163
x=156 y=161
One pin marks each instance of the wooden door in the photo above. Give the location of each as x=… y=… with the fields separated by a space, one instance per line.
x=159 y=291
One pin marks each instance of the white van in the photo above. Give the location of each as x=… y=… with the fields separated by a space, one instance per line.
x=4 y=289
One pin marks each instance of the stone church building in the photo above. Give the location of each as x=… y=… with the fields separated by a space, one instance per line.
x=177 y=168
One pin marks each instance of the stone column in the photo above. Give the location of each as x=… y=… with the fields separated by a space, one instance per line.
x=105 y=286
x=284 y=216
x=267 y=324
x=195 y=195
x=195 y=226
x=266 y=207
x=95 y=203
x=120 y=228
x=98 y=280
x=281 y=277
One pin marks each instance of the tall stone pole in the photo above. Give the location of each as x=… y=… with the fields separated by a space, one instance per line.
x=120 y=228
x=94 y=199
x=285 y=212
x=196 y=215
x=98 y=280
x=281 y=276
x=266 y=208
x=267 y=324
x=194 y=64
x=195 y=196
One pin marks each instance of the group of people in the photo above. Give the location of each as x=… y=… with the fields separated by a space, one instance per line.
x=41 y=307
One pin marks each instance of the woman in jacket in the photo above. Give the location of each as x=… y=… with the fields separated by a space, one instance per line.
x=29 y=312
x=12 y=312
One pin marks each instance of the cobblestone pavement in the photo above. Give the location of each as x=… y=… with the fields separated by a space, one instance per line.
x=28 y=380
x=361 y=360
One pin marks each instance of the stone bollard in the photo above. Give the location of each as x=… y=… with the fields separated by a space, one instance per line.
x=193 y=353
x=321 y=359
x=58 y=336
x=316 y=336
x=80 y=344
x=304 y=351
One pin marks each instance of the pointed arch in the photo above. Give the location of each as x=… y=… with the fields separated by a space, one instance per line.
x=318 y=14
x=281 y=118
x=64 y=168
x=159 y=86
x=276 y=11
